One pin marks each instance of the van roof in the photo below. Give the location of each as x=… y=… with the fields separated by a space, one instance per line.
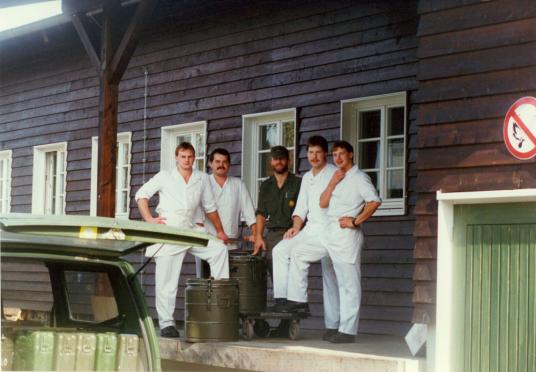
x=91 y=236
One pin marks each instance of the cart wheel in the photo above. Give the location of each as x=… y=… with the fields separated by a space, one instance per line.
x=294 y=329
x=261 y=328
x=248 y=329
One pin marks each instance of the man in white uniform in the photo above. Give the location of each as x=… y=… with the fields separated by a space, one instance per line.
x=181 y=191
x=350 y=199
x=314 y=182
x=233 y=201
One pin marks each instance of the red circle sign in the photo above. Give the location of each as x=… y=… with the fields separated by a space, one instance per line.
x=519 y=128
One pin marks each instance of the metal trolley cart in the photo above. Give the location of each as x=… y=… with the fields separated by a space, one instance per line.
x=250 y=271
x=257 y=324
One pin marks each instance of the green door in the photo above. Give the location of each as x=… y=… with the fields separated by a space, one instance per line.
x=498 y=266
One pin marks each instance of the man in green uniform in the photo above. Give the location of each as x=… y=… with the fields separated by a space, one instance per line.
x=277 y=199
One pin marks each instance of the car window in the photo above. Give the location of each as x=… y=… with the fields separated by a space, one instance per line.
x=26 y=291
x=90 y=296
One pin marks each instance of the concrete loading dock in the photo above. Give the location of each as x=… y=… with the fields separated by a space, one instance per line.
x=371 y=353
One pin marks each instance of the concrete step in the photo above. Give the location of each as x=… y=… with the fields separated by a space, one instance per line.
x=370 y=353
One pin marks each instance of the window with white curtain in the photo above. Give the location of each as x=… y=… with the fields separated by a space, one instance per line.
x=172 y=136
x=376 y=127
x=261 y=132
x=122 y=175
x=49 y=178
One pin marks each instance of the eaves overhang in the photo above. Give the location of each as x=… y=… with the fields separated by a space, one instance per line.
x=47 y=23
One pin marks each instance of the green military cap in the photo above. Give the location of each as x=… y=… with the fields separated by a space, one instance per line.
x=279 y=152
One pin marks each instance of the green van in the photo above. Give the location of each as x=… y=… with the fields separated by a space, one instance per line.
x=69 y=299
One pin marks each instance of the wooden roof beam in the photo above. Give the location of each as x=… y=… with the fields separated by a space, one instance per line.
x=82 y=31
x=128 y=43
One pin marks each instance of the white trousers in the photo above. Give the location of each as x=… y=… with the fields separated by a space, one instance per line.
x=348 y=278
x=200 y=271
x=330 y=294
x=168 y=270
x=281 y=256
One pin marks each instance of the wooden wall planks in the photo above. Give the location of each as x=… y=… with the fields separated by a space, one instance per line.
x=218 y=67
x=475 y=60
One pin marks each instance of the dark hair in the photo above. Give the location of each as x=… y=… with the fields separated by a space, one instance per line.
x=220 y=151
x=342 y=145
x=317 y=141
x=184 y=146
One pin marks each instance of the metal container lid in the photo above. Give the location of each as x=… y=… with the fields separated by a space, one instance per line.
x=244 y=256
x=211 y=282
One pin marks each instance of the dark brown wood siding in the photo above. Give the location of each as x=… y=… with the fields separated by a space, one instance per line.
x=476 y=59
x=217 y=61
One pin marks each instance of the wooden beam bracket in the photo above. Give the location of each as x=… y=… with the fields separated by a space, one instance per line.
x=126 y=48
x=82 y=30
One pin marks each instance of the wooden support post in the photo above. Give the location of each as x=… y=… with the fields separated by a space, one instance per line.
x=116 y=49
x=107 y=149
x=107 y=154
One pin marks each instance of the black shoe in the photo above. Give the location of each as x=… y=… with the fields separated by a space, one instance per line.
x=342 y=338
x=277 y=306
x=170 y=332
x=329 y=333
x=295 y=307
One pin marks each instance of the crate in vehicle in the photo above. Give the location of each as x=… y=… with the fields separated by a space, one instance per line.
x=34 y=350
x=64 y=351
x=8 y=352
x=105 y=355
x=86 y=347
x=127 y=355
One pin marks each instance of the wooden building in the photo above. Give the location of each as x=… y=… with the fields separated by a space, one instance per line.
x=419 y=87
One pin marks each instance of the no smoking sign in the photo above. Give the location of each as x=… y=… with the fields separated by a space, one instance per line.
x=519 y=128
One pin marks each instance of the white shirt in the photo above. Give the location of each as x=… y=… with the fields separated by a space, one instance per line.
x=348 y=199
x=178 y=199
x=233 y=201
x=351 y=194
x=312 y=186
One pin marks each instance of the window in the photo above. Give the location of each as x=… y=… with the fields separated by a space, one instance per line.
x=85 y=302
x=122 y=175
x=5 y=181
x=376 y=127
x=195 y=133
x=49 y=171
x=260 y=133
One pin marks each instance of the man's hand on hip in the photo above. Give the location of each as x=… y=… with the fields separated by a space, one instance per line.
x=346 y=222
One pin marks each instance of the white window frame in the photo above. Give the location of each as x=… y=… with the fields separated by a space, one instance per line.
x=350 y=117
x=250 y=141
x=168 y=135
x=122 y=138
x=39 y=169
x=5 y=180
